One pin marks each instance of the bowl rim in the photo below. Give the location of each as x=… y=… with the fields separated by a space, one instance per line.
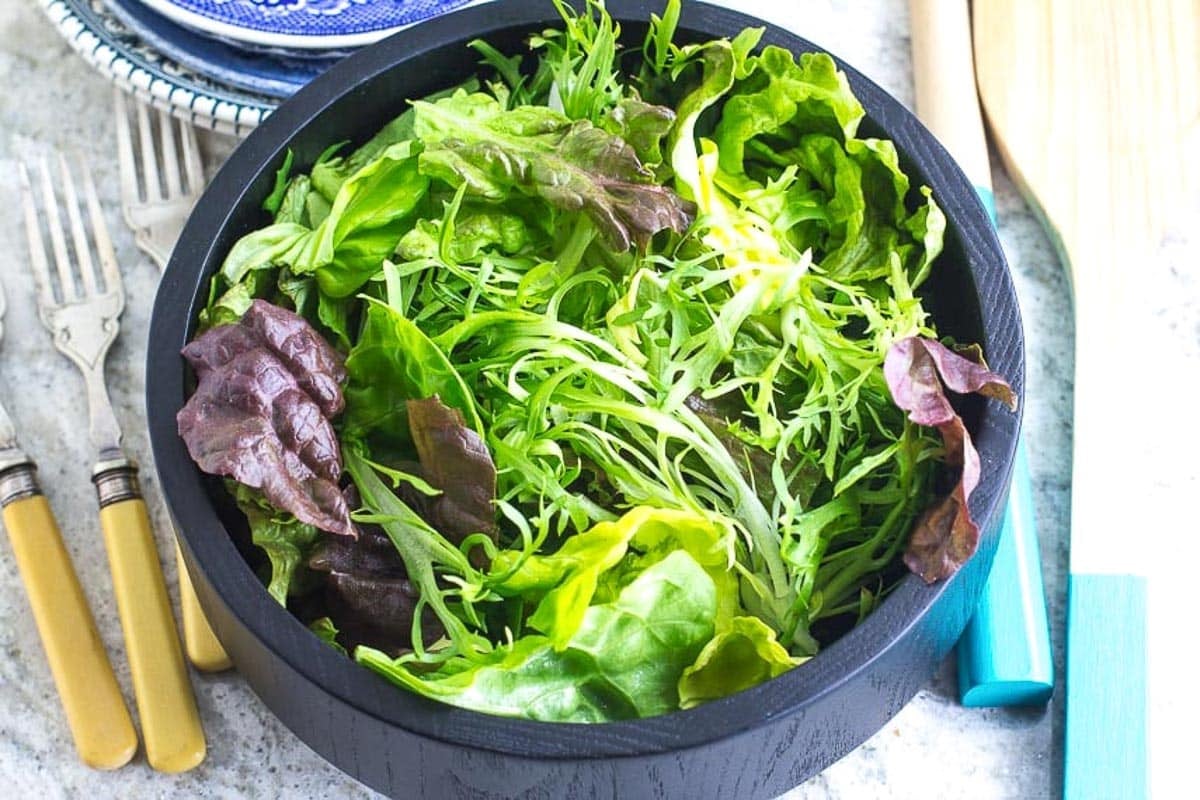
x=226 y=578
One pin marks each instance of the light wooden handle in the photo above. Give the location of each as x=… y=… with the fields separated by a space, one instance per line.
x=96 y=712
x=1004 y=655
x=944 y=67
x=203 y=649
x=167 y=709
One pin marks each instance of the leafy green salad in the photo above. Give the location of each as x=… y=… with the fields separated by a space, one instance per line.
x=597 y=386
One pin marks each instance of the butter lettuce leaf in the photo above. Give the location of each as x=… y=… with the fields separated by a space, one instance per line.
x=368 y=215
x=744 y=654
x=624 y=661
x=781 y=96
x=567 y=580
x=394 y=361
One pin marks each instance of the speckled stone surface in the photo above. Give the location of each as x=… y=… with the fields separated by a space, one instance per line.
x=933 y=749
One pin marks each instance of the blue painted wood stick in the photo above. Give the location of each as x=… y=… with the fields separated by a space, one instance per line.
x=1004 y=655
x=1106 y=636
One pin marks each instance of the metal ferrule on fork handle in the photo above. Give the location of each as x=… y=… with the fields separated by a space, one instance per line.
x=115 y=480
x=17 y=481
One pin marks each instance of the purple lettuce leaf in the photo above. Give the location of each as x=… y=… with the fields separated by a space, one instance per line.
x=455 y=460
x=368 y=593
x=918 y=370
x=320 y=370
x=267 y=387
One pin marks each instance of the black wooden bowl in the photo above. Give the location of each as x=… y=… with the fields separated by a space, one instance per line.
x=755 y=744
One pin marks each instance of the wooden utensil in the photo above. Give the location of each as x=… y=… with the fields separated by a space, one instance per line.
x=1089 y=102
x=1004 y=654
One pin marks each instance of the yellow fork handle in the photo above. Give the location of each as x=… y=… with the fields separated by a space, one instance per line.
x=167 y=709
x=96 y=712
x=203 y=649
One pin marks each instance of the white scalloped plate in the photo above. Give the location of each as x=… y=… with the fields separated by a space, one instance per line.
x=120 y=55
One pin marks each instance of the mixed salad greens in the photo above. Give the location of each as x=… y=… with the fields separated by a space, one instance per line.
x=597 y=386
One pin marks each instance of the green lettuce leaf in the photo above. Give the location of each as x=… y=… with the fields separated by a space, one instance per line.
x=781 y=96
x=286 y=541
x=366 y=220
x=478 y=229
x=744 y=654
x=331 y=170
x=368 y=217
x=293 y=206
x=788 y=155
x=718 y=62
x=624 y=661
x=265 y=248
x=643 y=125
x=567 y=580
x=394 y=361
x=472 y=140
x=227 y=307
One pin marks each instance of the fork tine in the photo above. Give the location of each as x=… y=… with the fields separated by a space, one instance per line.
x=37 y=248
x=191 y=157
x=125 y=157
x=83 y=253
x=104 y=248
x=57 y=241
x=149 y=160
x=166 y=135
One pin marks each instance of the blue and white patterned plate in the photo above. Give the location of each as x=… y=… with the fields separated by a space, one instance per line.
x=300 y=24
x=274 y=76
x=122 y=56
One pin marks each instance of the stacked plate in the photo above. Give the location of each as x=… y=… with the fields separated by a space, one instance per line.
x=225 y=64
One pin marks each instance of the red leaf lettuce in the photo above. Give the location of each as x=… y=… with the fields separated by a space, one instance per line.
x=918 y=371
x=268 y=386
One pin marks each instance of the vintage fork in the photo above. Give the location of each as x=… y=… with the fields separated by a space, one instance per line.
x=156 y=220
x=82 y=317
x=91 y=698
x=157 y=205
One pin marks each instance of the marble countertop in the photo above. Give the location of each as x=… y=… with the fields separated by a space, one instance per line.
x=933 y=748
